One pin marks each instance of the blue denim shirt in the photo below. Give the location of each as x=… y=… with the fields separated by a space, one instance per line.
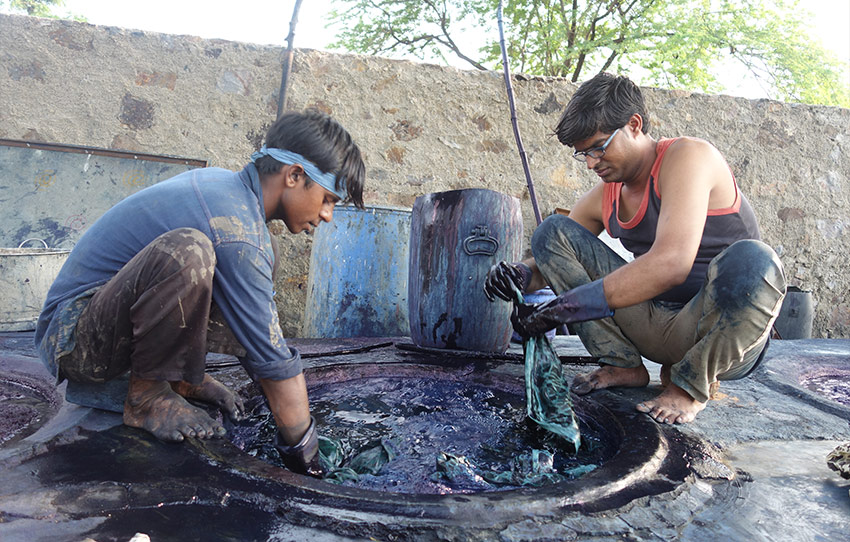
x=224 y=205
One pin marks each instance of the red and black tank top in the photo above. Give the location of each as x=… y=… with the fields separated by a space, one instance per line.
x=722 y=227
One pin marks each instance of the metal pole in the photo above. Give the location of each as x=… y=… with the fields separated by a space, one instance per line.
x=287 y=60
x=510 y=91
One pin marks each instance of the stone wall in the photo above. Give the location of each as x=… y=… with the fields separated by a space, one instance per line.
x=422 y=128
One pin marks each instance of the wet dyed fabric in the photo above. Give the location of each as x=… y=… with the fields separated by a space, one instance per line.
x=547 y=394
x=341 y=465
x=534 y=468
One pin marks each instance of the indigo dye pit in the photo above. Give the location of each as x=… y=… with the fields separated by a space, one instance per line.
x=27 y=404
x=417 y=413
x=832 y=383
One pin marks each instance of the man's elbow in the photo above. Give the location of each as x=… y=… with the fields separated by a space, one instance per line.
x=674 y=273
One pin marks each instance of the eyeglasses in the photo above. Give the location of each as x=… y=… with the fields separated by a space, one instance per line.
x=596 y=152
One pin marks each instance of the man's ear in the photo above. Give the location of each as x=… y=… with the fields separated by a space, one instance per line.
x=635 y=124
x=292 y=174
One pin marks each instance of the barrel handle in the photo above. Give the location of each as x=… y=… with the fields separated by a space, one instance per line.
x=483 y=242
x=25 y=241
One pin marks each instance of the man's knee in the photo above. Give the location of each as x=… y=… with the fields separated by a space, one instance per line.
x=553 y=231
x=749 y=265
x=190 y=248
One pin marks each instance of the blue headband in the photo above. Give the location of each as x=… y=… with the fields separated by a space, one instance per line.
x=325 y=180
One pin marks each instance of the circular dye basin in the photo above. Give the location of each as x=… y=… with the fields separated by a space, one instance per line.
x=635 y=457
x=832 y=383
x=28 y=403
x=418 y=413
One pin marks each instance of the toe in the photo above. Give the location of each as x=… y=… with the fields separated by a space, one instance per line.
x=643 y=407
x=582 y=387
x=659 y=415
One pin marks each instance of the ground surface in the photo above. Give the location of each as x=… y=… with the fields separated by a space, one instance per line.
x=83 y=474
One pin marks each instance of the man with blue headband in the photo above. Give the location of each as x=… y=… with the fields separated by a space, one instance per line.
x=185 y=267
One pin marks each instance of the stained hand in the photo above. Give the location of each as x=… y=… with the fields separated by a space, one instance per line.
x=586 y=302
x=303 y=457
x=504 y=277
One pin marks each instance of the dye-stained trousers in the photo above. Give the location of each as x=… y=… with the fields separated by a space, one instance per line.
x=718 y=335
x=153 y=317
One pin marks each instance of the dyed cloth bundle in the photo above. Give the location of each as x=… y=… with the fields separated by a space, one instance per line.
x=547 y=394
x=339 y=467
x=534 y=468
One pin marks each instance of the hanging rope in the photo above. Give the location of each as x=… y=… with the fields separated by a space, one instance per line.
x=523 y=156
x=287 y=60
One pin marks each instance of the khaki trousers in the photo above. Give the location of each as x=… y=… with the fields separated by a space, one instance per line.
x=718 y=335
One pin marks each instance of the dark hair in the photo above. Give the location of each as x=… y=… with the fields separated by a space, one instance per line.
x=601 y=104
x=321 y=140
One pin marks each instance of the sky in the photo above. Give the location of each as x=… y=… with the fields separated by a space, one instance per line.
x=266 y=22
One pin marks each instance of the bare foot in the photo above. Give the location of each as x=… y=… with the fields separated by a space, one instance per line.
x=154 y=407
x=213 y=392
x=673 y=405
x=666 y=371
x=609 y=376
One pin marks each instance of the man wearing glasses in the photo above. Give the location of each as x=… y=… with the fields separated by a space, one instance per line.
x=703 y=291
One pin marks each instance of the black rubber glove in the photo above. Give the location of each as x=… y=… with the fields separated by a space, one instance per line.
x=503 y=277
x=302 y=458
x=586 y=302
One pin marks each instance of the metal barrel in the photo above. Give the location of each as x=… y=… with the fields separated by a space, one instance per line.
x=357 y=283
x=455 y=237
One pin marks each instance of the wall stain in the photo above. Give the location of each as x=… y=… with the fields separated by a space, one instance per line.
x=549 y=105
x=481 y=122
x=156 y=79
x=234 y=82
x=323 y=106
x=790 y=213
x=491 y=145
x=256 y=137
x=381 y=85
x=136 y=113
x=33 y=70
x=396 y=155
x=404 y=130
x=65 y=38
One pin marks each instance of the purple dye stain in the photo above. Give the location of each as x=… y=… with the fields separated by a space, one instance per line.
x=422 y=418
x=834 y=385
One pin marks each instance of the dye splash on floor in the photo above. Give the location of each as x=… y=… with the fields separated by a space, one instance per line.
x=832 y=384
x=420 y=418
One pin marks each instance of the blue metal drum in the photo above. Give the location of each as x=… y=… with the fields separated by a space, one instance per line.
x=357 y=285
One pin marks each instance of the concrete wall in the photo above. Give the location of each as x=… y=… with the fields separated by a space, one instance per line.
x=422 y=128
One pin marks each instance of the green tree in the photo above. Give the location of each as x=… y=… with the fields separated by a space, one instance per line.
x=36 y=8
x=684 y=44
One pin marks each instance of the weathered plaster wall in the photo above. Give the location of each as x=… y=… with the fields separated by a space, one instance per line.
x=422 y=129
